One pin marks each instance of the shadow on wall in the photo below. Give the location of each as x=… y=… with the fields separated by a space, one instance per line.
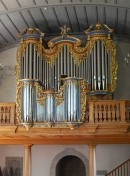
x=13 y=167
x=10 y=171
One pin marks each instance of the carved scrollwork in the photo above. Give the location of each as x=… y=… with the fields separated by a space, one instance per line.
x=18 y=101
x=78 y=53
x=109 y=46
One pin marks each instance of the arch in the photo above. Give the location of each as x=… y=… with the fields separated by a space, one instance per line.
x=68 y=152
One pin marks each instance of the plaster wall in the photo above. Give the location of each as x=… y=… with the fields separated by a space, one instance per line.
x=107 y=156
x=7 y=76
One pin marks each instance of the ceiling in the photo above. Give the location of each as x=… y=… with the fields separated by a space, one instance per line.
x=49 y=15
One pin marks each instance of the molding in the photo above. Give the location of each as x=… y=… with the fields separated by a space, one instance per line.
x=48 y=37
x=68 y=152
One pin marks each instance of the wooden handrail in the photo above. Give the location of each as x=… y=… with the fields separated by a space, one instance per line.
x=108 y=111
x=97 y=111
x=113 y=172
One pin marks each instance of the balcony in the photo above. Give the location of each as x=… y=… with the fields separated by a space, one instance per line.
x=106 y=121
x=98 y=112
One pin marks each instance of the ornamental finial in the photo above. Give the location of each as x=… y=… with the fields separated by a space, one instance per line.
x=64 y=30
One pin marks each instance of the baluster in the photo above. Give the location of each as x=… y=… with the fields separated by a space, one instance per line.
x=0 y=113
x=100 y=113
x=128 y=168
x=124 y=170
x=109 y=112
x=118 y=171
x=113 y=112
x=122 y=111
x=96 y=113
x=117 y=113
x=4 y=110
x=91 y=112
x=121 y=170
x=87 y=113
x=7 y=115
x=126 y=113
x=104 y=113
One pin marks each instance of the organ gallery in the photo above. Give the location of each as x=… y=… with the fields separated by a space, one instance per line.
x=55 y=80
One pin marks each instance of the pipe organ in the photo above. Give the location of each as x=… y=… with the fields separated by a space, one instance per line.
x=53 y=81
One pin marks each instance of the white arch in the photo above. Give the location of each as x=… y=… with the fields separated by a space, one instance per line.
x=68 y=152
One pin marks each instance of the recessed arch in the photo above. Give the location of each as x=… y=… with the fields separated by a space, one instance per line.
x=68 y=152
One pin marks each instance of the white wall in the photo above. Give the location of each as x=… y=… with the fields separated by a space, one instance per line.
x=43 y=156
x=10 y=151
x=7 y=76
x=123 y=77
x=107 y=156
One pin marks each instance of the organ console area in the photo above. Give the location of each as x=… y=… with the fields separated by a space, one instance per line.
x=54 y=81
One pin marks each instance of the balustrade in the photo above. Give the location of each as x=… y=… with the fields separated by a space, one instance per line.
x=97 y=111
x=127 y=115
x=122 y=170
x=108 y=111
x=7 y=113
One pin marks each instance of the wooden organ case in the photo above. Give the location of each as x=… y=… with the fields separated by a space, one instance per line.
x=53 y=82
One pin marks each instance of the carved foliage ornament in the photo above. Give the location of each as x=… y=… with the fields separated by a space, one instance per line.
x=109 y=46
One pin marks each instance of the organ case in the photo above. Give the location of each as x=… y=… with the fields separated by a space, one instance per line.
x=52 y=81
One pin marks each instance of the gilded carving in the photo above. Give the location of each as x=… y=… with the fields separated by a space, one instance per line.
x=50 y=55
x=109 y=46
x=60 y=96
x=78 y=53
x=18 y=102
x=82 y=99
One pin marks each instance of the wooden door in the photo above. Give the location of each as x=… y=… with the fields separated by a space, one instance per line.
x=70 y=166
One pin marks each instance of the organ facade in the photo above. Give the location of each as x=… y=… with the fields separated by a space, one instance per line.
x=55 y=81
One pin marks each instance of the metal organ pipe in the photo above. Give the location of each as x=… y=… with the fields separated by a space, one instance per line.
x=47 y=81
x=74 y=102
x=61 y=64
x=106 y=68
x=86 y=60
x=89 y=68
x=27 y=62
x=43 y=69
x=45 y=74
x=98 y=64
x=103 y=68
x=36 y=65
x=68 y=65
x=58 y=76
x=92 y=66
x=69 y=102
x=34 y=62
x=30 y=60
x=64 y=51
x=108 y=60
x=71 y=62
x=24 y=67
x=40 y=67
x=55 y=76
x=95 y=67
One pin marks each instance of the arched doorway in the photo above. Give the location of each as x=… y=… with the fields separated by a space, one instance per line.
x=70 y=166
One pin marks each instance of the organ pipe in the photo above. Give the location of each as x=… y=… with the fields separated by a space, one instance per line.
x=52 y=86
x=103 y=69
